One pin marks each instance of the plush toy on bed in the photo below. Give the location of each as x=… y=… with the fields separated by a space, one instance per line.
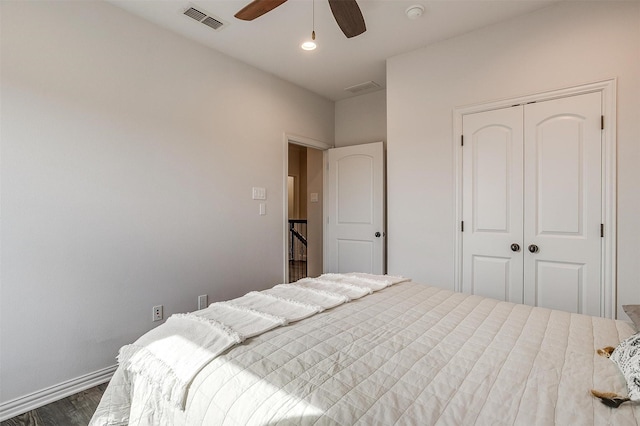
x=627 y=357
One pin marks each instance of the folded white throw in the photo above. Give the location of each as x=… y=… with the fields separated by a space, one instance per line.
x=280 y=306
x=375 y=282
x=242 y=319
x=171 y=355
x=333 y=286
x=322 y=298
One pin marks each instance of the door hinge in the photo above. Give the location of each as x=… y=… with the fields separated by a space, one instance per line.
x=602 y=122
x=461 y=140
x=602 y=230
x=462 y=226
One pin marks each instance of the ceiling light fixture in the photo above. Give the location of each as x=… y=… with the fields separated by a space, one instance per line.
x=415 y=11
x=311 y=45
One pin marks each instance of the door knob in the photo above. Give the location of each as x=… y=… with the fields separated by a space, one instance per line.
x=533 y=248
x=515 y=247
x=377 y=234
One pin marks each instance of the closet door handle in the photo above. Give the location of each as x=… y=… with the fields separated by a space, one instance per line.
x=533 y=248
x=515 y=247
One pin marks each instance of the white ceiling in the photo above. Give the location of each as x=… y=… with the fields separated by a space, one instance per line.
x=272 y=42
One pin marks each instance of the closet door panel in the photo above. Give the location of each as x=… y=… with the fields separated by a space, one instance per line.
x=560 y=157
x=562 y=214
x=561 y=285
x=491 y=276
x=492 y=204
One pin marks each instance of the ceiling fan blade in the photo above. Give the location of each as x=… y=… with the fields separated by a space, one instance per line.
x=348 y=16
x=257 y=8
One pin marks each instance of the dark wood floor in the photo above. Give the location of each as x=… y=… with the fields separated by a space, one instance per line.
x=71 y=411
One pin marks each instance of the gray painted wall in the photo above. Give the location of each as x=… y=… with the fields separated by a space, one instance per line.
x=361 y=119
x=128 y=158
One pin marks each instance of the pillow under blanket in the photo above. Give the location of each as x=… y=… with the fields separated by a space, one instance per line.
x=627 y=358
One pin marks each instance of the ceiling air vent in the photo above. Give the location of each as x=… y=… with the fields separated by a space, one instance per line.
x=366 y=86
x=205 y=19
x=212 y=22
x=195 y=14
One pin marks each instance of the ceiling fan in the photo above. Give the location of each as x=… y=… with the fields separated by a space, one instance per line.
x=346 y=12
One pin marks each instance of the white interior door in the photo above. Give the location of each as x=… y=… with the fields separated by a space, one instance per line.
x=355 y=209
x=492 y=204
x=563 y=199
x=532 y=177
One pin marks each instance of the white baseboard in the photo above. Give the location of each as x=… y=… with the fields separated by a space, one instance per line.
x=54 y=393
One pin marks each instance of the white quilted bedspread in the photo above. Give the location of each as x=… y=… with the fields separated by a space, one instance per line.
x=410 y=354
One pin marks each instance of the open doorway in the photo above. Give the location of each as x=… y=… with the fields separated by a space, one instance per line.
x=304 y=212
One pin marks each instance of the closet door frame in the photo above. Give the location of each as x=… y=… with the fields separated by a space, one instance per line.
x=607 y=89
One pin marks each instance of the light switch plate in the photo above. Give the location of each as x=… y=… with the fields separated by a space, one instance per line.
x=263 y=209
x=314 y=197
x=259 y=193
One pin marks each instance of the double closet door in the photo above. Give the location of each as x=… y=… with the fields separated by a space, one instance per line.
x=532 y=204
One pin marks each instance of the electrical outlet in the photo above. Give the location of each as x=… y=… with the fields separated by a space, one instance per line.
x=157 y=313
x=202 y=301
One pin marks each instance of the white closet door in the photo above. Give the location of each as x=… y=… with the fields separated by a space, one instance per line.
x=563 y=204
x=492 y=204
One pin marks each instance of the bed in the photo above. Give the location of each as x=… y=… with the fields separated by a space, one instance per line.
x=400 y=353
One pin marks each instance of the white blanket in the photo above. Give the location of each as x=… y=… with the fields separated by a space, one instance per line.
x=409 y=354
x=169 y=356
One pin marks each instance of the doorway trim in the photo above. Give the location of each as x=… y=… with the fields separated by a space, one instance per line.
x=290 y=138
x=607 y=88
